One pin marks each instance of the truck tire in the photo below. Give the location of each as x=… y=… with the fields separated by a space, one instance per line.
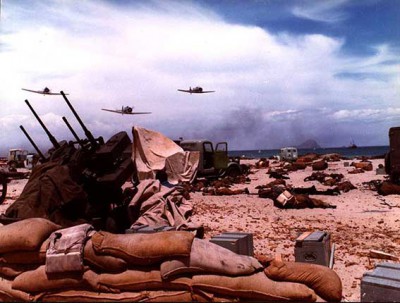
x=3 y=188
x=12 y=166
x=233 y=171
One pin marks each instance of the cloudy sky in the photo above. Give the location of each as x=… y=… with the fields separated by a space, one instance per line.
x=283 y=71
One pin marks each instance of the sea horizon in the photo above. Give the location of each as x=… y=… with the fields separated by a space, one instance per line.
x=367 y=151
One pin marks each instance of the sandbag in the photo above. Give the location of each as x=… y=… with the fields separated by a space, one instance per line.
x=25 y=235
x=388 y=188
x=102 y=262
x=10 y=270
x=323 y=280
x=207 y=257
x=8 y=294
x=38 y=280
x=319 y=165
x=143 y=249
x=26 y=257
x=90 y=296
x=254 y=287
x=134 y=280
x=365 y=165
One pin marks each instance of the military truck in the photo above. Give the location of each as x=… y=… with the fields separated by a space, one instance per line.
x=288 y=154
x=392 y=158
x=214 y=162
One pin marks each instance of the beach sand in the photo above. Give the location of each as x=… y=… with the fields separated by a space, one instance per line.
x=363 y=220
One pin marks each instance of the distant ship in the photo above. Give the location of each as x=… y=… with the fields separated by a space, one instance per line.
x=352 y=144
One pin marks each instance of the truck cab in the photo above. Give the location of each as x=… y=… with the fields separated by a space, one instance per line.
x=213 y=161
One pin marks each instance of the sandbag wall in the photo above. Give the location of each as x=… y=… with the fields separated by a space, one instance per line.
x=165 y=266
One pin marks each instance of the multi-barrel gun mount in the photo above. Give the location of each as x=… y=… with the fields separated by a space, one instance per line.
x=102 y=165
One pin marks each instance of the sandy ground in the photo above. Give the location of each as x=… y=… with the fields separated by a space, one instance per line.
x=363 y=220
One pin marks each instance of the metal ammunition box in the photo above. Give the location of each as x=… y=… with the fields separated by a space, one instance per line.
x=145 y=229
x=238 y=242
x=382 y=284
x=313 y=247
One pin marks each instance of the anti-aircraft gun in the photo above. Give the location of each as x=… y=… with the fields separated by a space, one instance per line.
x=100 y=168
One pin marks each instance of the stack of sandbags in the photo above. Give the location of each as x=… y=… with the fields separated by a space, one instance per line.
x=164 y=266
x=23 y=247
x=175 y=266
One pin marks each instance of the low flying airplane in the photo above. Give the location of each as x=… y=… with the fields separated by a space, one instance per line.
x=125 y=110
x=45 y=91
x=196 y=90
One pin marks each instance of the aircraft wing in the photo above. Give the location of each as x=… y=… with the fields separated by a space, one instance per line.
x=113 y=110
x=118 y=111
x=40 y=92
x=185 y=90
x=206 y=91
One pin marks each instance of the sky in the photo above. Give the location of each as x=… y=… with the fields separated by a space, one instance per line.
x=283 y=71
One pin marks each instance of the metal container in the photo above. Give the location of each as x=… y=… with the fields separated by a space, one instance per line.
x=238 y=242
x=382 y=284
x=313 y=247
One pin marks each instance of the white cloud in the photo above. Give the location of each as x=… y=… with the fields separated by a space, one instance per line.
x=328 y=11
x=107 y=56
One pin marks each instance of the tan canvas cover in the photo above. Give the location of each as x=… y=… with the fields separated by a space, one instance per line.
x=159 y=205
x=154 y=152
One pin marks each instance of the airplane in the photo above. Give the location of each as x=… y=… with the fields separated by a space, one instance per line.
x=45 y=91
x=125 y=110
x=196 y=90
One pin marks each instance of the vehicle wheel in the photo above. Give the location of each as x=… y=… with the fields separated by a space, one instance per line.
x=12 y=166
x=3 y=188
x=232 y=171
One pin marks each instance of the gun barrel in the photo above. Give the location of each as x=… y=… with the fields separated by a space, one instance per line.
x=51 y=137
x=33 y=143
x=73 y=132
x=88 y=134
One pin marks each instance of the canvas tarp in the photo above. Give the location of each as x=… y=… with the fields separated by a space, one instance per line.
x=157 y=205
x=153 y=152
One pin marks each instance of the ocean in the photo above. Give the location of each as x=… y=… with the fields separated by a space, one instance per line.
x=368 y=151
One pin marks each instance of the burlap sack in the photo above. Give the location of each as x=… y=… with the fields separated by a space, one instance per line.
x=207 y=257
x=143 y=249
x=38 y=281
x=134 y=280
x=254 y=287
x=8 y=294
x=26 y=257
x=323 y=280
x=10 y=270
x=102 y=262
x=25 y=235
x=90 y=296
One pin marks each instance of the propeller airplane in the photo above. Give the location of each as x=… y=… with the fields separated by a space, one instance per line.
x=196 y=90
x=45 y=91
x=125 y=110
